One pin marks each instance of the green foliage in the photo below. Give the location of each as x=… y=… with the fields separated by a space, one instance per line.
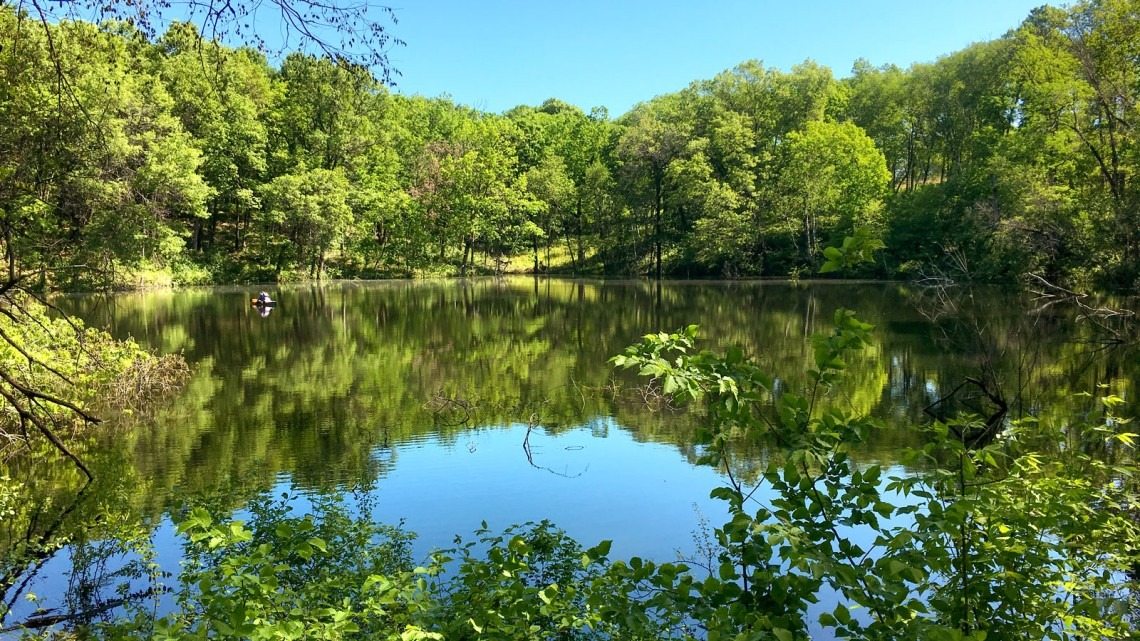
x=304 y=215
x=1032 y=541
x=333 y=574
x=1023 y=537
x=530 y=582
x=328 y=575
x=55 y=375
x=833 y=179
x=52 y=366
x=854 y=251
x=173 y=159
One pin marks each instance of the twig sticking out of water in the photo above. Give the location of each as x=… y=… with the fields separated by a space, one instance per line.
x=532 y=423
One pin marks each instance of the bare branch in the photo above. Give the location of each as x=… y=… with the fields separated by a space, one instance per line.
x=35 y=395
x=349 y=32
x=30 y=417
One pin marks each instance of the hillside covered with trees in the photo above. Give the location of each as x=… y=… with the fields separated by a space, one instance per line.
x=174 y=159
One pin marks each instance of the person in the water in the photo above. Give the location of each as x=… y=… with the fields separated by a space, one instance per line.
x=263 y=303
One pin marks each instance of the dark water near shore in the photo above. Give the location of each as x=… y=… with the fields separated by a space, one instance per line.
x=423 y=394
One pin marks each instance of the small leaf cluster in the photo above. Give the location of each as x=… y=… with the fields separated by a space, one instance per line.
x=855 y=250
x=530 y=581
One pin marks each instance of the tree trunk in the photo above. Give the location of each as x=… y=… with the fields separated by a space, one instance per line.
x=657 y=207
x=570 y=250
x=10 y=253
x=581 y=248
x=237 y=234
x=809 y=232
x=468 y=255
x=911 y=161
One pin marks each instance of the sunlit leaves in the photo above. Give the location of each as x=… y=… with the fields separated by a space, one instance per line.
x=351 y=33
x=323 y=576
x=833 y=180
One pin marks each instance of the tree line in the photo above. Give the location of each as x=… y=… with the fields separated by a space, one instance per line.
x=175 y=158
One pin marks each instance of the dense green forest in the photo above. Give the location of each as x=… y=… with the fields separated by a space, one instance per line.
x=174 y=159
x=131 y=158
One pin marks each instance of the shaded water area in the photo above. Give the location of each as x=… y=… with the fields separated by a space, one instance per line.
x=457 y=402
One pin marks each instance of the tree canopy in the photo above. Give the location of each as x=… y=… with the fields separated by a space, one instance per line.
x=173 y=157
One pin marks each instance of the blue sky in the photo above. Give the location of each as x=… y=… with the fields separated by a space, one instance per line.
x=496 y=54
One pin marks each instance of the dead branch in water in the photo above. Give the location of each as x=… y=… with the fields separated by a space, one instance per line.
x=449 y=410
x=1115 y=324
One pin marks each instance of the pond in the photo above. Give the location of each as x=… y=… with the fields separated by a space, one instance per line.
x=452 y=403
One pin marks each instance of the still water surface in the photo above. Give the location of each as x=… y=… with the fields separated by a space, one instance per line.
x=424 y=393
